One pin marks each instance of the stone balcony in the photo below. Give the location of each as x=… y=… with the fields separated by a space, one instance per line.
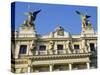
x=57 y=52
x=39 y=52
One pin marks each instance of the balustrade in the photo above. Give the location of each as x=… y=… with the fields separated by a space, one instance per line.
x=55 y=52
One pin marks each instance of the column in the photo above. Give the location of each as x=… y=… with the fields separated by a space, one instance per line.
x=55 y=48
x=55 y=51
x=29 y=69
x=36 y=52
x=95 y=46
x=70 y=66
x=88 y=65
x=17 y=50
x=50 y=67
x=88 y=47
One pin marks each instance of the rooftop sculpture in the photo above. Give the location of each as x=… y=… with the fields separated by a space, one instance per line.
x=29 y=22
x=85 y=22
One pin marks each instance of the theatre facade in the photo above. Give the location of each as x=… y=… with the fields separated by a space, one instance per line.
x=56 y=51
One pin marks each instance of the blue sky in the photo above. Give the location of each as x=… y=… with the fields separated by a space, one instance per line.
x=53 y=15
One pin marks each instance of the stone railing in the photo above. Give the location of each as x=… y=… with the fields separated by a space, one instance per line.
x=57 y=52
x=61 y=51
x=77 y=51
x=40 y=52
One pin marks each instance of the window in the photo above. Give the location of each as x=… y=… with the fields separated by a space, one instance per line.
x=76 y=47
x=59 y=47
x=92 y=47
x=23 y=49
x=42 y=47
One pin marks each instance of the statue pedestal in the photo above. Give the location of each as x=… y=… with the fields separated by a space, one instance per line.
x=88 y=32
x=25 y=31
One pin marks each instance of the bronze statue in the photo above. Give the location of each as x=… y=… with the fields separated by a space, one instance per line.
x=82 y=14
x=84 y=18
x=31 y=18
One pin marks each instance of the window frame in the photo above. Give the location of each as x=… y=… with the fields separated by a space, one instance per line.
x=23 y=50
x=77 y=46
x=42 y=49
x=59 y=48
x=93 y=47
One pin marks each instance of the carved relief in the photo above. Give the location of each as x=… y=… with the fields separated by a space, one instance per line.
x=51 y=47
x=60 y=31
x=85 y=47
x=33 y=46
x=70 y=49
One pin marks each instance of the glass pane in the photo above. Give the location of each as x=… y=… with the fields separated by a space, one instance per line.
x=59 y=47
x=92 y=47
x=23 y=49
x=76 y=46
x=42 y=47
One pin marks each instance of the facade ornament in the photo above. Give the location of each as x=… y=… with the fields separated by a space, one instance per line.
x=85 y=47
x=51 y=47
x=33 y=46
x=60 y=31
x=70 y=46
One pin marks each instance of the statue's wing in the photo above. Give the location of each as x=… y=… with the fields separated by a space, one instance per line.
x=35 y=13
x=88 y=16
x=78 y=12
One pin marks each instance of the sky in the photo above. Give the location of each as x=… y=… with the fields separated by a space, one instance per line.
x=52 y=15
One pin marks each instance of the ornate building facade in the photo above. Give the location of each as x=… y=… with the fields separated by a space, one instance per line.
x=57 y=51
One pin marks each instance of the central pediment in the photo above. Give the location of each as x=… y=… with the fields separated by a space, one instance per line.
x=58 y=33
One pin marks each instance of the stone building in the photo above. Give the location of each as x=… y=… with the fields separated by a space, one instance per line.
x=57 y=51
